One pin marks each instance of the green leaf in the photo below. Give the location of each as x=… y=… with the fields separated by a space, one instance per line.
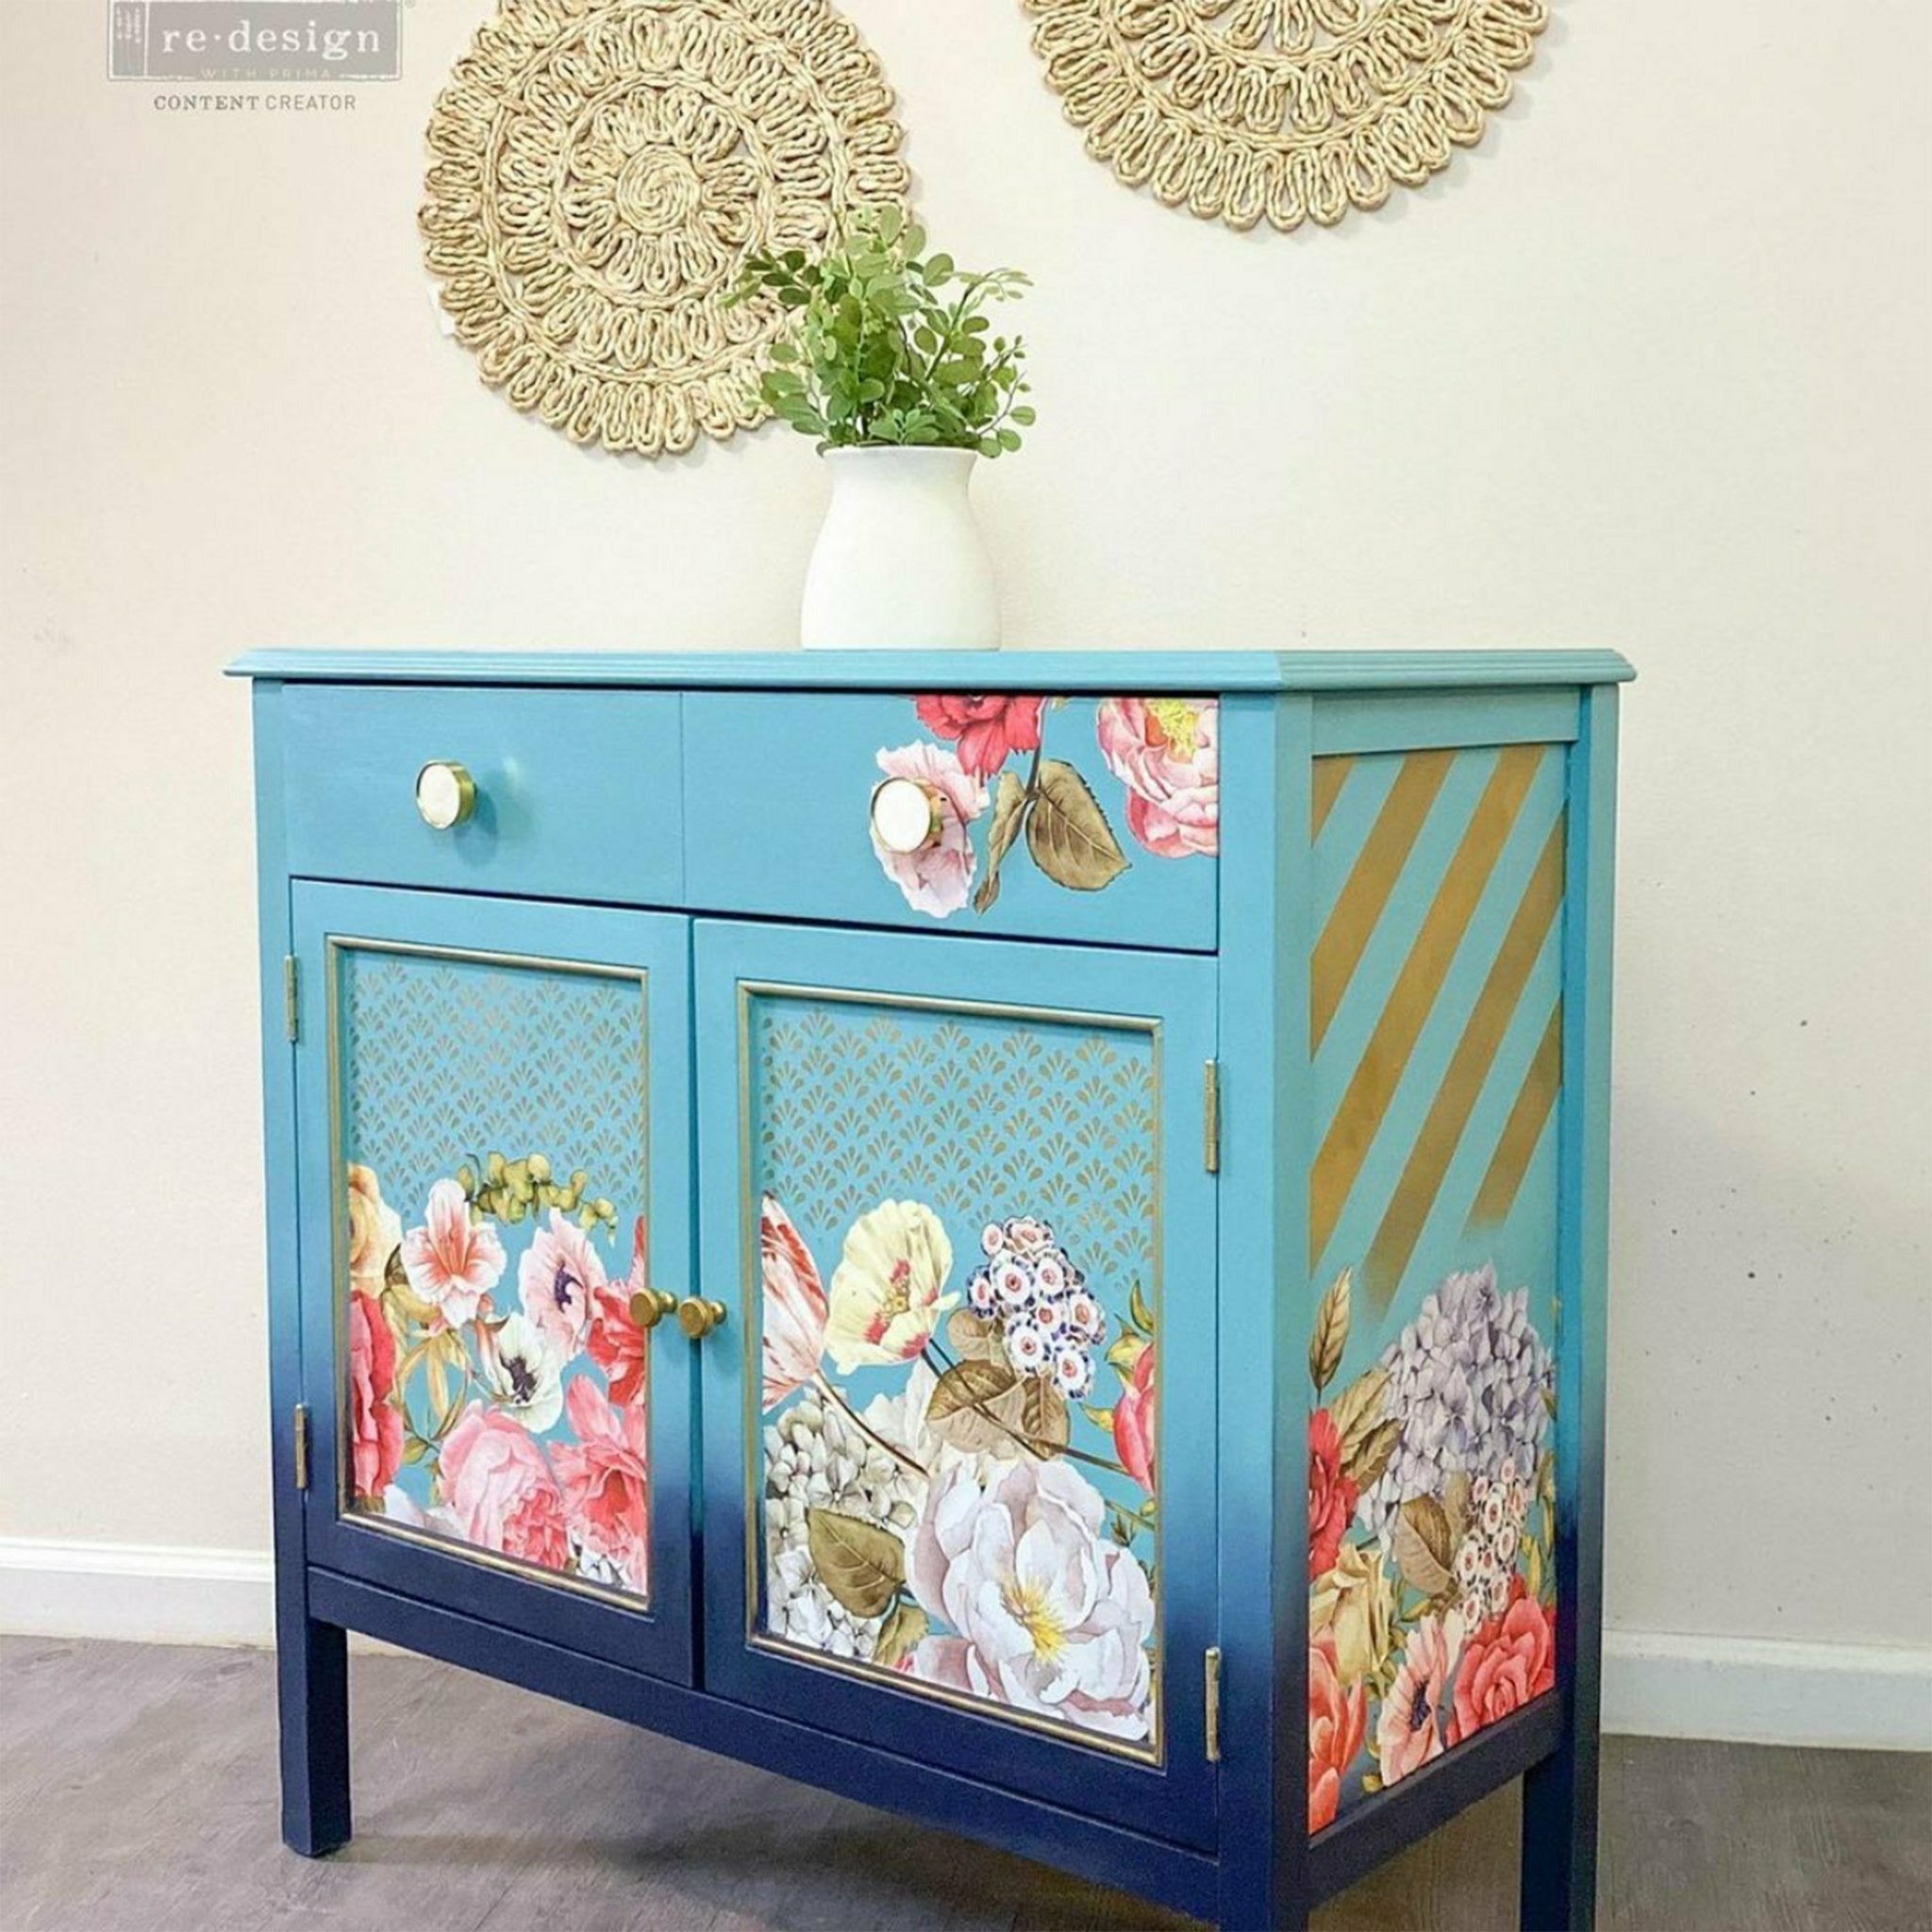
x=1068 y=833
x=862 y=1565
x=1425 y=1547
x=900 y=1635
x=1100 y=1418
x=1137 y=1307
x=1026 y=415
x=1009 y=439
x=1330 y=1338
x=1358 y=1409
x=1010 y=804
x=959 y=1412
x=938 y=268
x=975 y=1338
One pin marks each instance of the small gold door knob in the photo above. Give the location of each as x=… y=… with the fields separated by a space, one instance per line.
x=650 y=1306
x=905 y=815
x=445 y=794
x=697 y=1317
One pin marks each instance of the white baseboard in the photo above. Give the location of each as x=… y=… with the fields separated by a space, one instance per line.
x=1742 y=1690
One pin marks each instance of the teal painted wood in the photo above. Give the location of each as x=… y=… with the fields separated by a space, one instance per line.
x=311 y=1657
x=414 y=1063
x=1560 y=1796
x=1263 y=1212
x=577 y=792
x=1415 y=719
x=1042 y=1053
x=778 y=790
x=1098 y=672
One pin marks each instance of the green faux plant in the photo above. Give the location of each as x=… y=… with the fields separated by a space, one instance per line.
x=886 y=345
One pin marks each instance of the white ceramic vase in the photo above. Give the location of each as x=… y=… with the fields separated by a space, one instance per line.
x=900 y=564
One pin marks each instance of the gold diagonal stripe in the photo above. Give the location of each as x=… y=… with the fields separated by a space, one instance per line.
x=1522 y=1129
x=1462 y=1085
x=1384 y=852
x=1352 y=1132
x=1330 y=775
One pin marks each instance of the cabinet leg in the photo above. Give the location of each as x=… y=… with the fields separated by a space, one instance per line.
x=312 y=1691
x=1560 y=1798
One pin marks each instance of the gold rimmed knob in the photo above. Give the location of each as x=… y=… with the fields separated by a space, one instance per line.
x=650 y=1306
x=698 y=1317
x=445 y=794
x=905 y=816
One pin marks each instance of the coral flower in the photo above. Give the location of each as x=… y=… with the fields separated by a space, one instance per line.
x=606 y=1480
x=795 y=1307
x=558 y=1279
x=988 y=730
x=886 y=1299
x=1338 y=1720
x=1133 y=1422
x=1167 y=752
x=375 y=1424
x=452 y=1263
x=1331 y=1496
x=1411 y=1731
x=617 y=1341
x=1510 y=1659
x=500 y=1492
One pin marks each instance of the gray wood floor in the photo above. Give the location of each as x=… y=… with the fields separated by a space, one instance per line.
x=137 y=1794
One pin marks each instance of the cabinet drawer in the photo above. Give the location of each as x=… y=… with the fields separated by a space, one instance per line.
x=1087 y=819
x=577 y=792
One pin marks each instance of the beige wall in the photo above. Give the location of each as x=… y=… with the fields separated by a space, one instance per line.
x=1647 y=370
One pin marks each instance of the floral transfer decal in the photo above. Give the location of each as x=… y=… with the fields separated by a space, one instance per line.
x=979 y=1522
x=512 y=1425
x=1431 y=1534
x=992 y=758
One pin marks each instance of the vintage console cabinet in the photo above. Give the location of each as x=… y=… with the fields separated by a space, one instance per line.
x=1036 y=1259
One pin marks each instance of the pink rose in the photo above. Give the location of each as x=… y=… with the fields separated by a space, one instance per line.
x=939 y=877
x=499 y=1489
x=795 y=1307
x=375 y=1424
x=1133 y=1422
x=1510 y=1660
x=452 y=1263
x=606 y=1480
x=1331 y=1496
x=1338 y=1720
x=987 y=729
x=616 y=1343
x=1167 y=752
x=558 y=1279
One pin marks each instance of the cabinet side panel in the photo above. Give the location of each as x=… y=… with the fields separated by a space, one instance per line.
x=1436 y=1028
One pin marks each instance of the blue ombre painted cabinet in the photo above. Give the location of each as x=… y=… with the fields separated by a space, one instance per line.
x=1036 y=1259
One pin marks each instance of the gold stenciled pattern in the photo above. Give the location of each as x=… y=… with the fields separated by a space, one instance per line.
x=523 y=1056
x=856 y=1105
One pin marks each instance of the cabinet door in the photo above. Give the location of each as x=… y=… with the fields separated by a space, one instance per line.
x=494 y=1107
x=959 y=1420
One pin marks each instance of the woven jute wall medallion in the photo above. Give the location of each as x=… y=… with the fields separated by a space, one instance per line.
x=1282 y=110
x=600 y=169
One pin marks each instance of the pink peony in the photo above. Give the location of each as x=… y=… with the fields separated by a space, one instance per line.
x=375 y=1424
x=1410 y=1732
x=1133 y=1422
x=499 y=1490
x=617 y=1343
x=1331 y=1496
x=1338 y=1720
x=452 y=1265
x=1510 y=1660
x=938 y=878
x=1167 y=752
x=606 y=1480
x=557 y=1278
x=795 y=1309
x=988 y=730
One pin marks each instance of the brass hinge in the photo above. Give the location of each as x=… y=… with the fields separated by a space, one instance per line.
x=301 y=1445
x=1211 y=1672
x=292 y=997
x=1210 y=1116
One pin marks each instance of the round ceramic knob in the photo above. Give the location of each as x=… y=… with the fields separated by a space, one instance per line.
x=905 y=815
x=445 y=794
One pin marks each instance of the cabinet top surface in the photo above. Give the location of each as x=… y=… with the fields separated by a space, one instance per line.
x=1059 y=672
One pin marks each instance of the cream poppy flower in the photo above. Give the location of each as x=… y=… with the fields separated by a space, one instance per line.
x=886 y=1296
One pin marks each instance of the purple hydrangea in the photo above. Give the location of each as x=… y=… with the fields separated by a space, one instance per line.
x=1467 y=1378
